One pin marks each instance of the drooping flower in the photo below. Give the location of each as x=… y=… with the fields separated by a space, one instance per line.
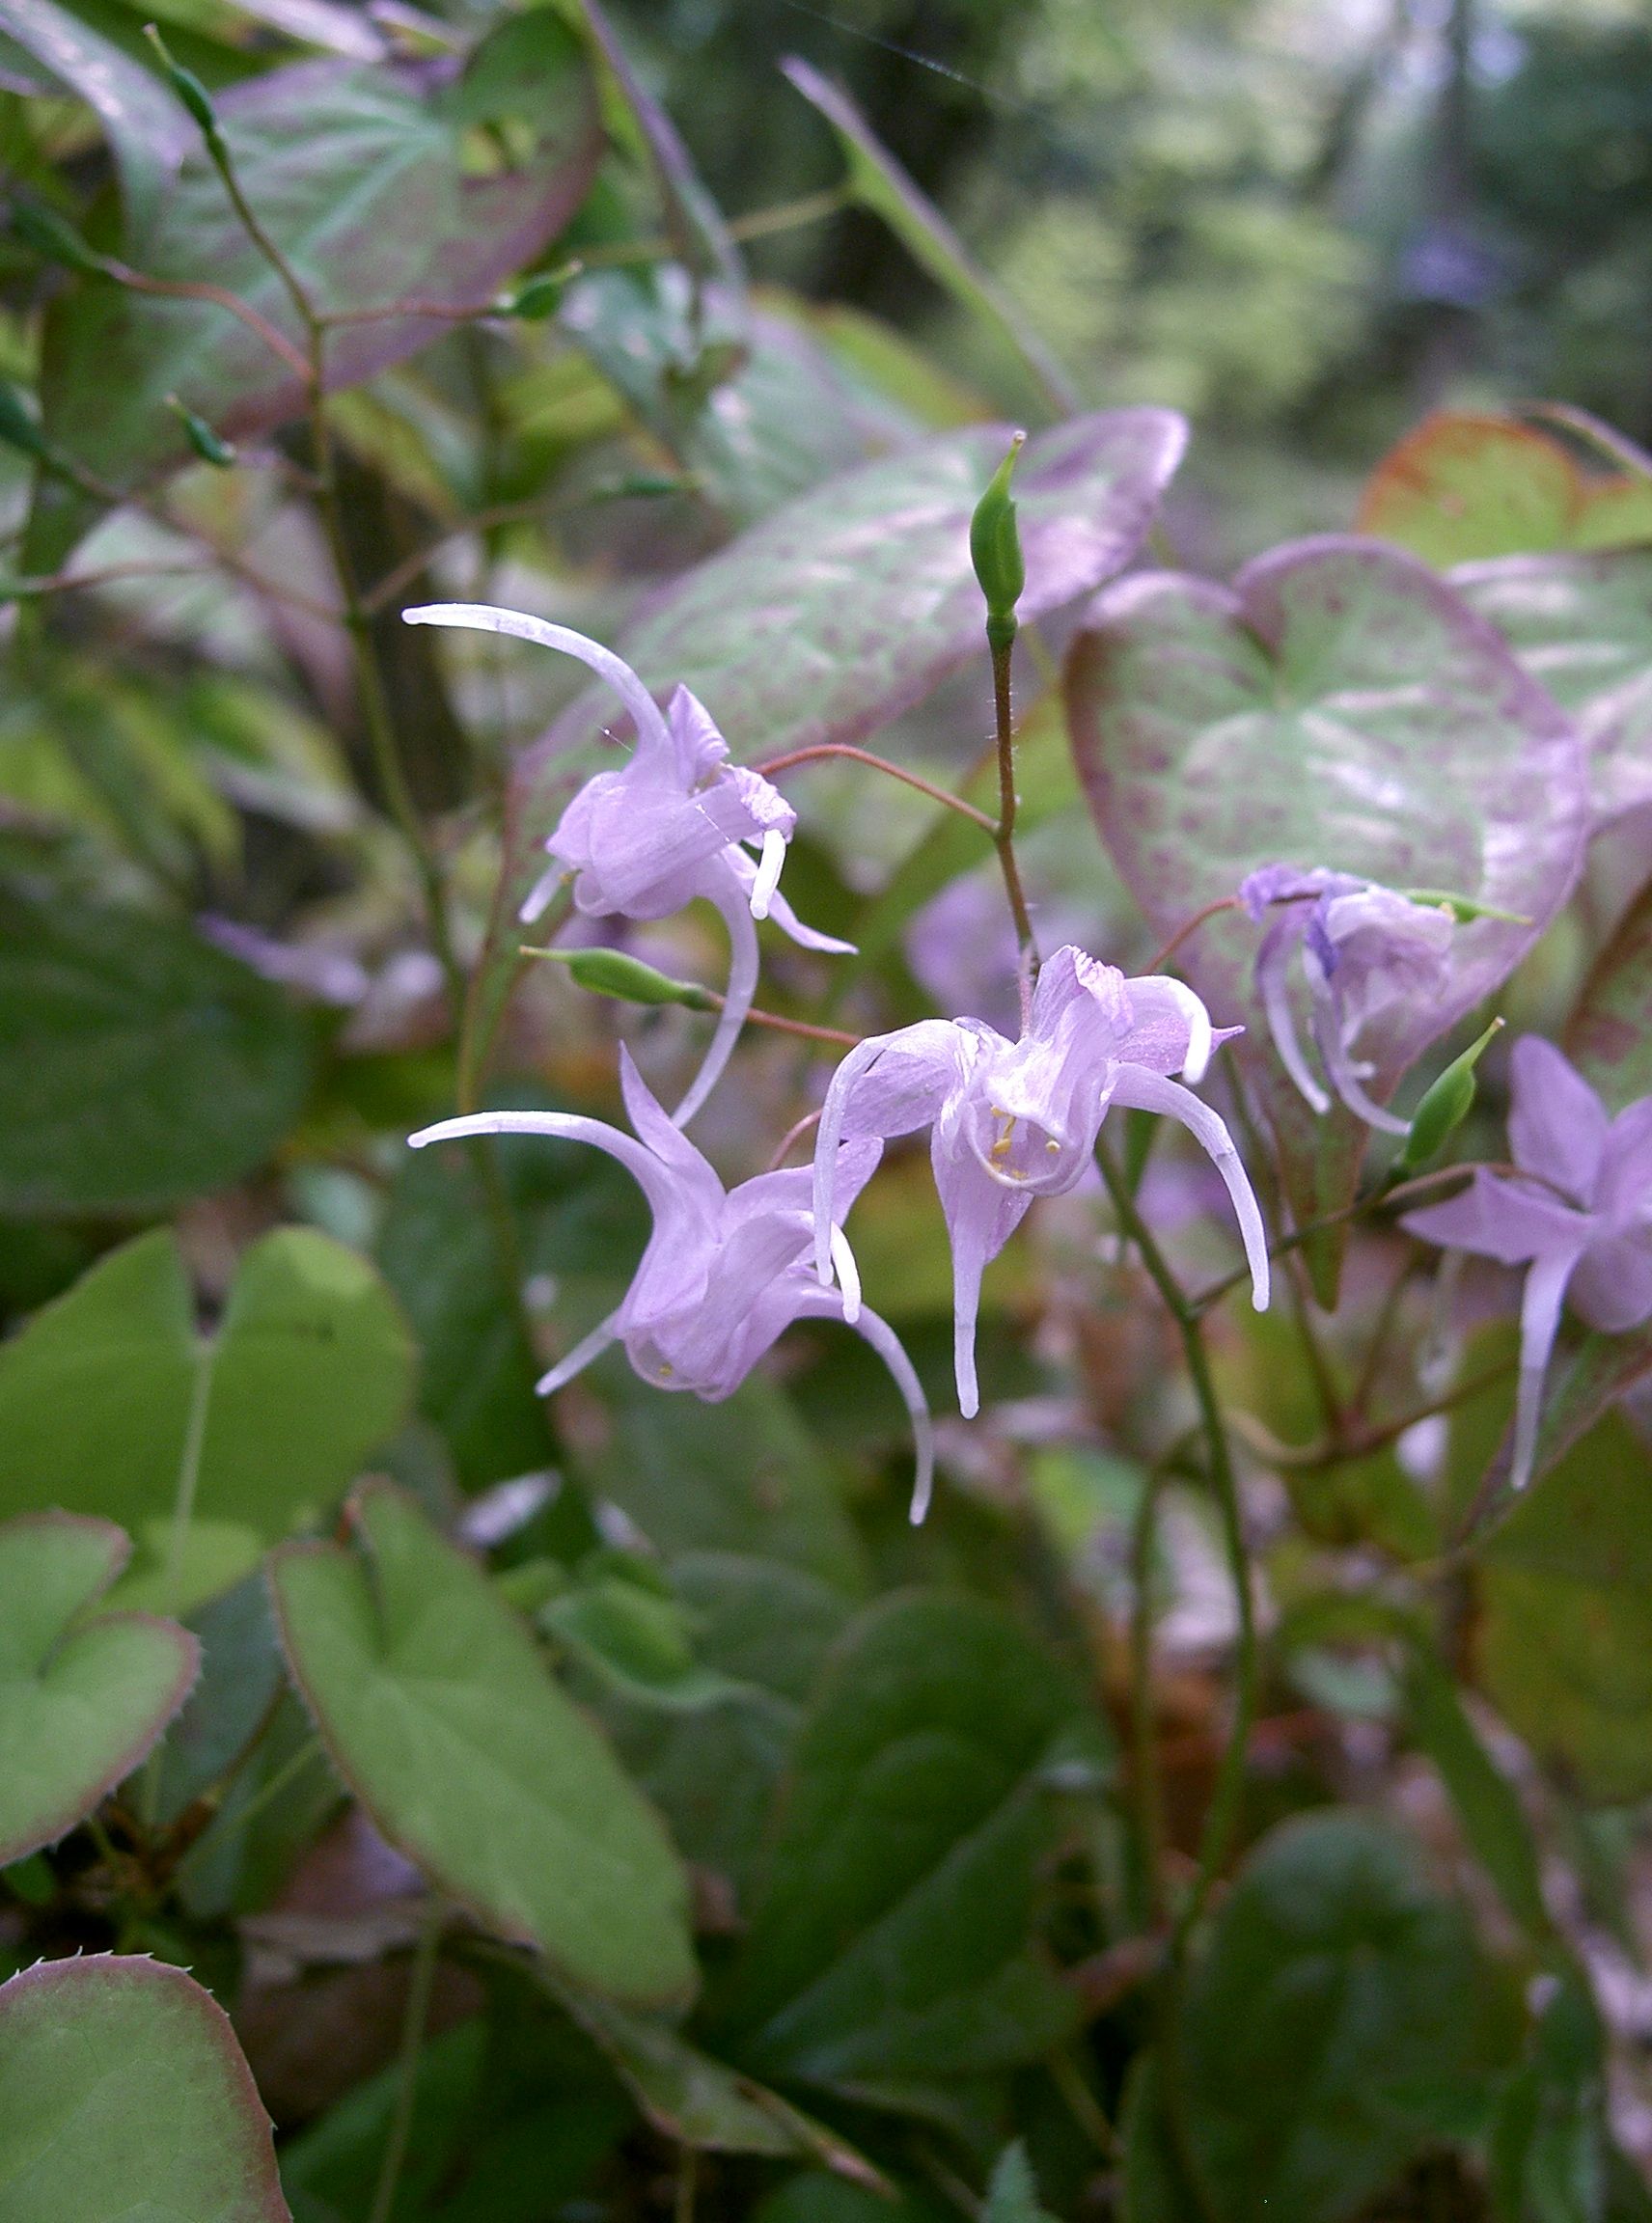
x=1009 y=1121
x=1364 y=952
x=644 y=840
x=724 y=1272
x=1578 y=1213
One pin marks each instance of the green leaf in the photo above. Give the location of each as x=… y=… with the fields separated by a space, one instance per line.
x=82 y=1696
x=850 y=604
x=142 y=1065
x=1012 y=2191
x=1329 y=2020
x=123 y=2094
x=1487 y=1803
x=148 y=133
x=366 y=180
x=1563 y=1640
x=1582 y=625
x=111 y=1404
x=879 y=183
x=1609 y=1034
x=1466 y=485
x=1338 y=707
x=892 y=1941
x=440 y=1715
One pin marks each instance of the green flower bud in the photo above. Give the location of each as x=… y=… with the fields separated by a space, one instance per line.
x=537 y=297
x=43 y=228
x=189 y=88
x=207 y=444
x=611 y=973
x=1463 y=908
x=18 y=427
x=1445 y=1106
x=995 y=550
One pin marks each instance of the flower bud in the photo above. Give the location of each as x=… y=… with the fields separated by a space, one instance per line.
x=995 y=550
x=537 y=297
x=1445 y=1106
x=611 y=973
x=189 y=88
x=1463 y=908
x=207 y=444
x=43 y=228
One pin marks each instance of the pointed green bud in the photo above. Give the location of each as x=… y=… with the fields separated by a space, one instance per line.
x=1445 y=1106
x=18 y=427
x=995 y=550
x=189 y=88
x=49 y=233
x=611 y=973
x=207 y=444
x=1463 y=908
x=537 y=297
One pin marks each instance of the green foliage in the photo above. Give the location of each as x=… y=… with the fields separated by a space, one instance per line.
x=123 y=2093
x=81 y=1701
x=438 y=1713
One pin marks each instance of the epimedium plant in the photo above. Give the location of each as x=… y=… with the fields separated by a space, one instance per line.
x=472 y=1694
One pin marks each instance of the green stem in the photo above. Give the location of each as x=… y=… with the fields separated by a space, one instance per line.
x=419 y=1986
x=1223 y=1815
x=282 y=1780
x=1146 y=1800
x=1003 y=648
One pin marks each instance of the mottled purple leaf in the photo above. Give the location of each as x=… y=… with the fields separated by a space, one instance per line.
x=1609 y=1034
x=124 y=2094
x=359 y=172
x=1582 y=625
x=1340 y=707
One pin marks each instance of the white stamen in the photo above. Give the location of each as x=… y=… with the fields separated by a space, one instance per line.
x=768 y=872
x=848 y=1273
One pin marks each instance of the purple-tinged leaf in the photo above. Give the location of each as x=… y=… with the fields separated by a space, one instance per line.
x=360 y=174
x=149 y=133
x=1582 y=625
x=850 y=604
x=1609 y=1034
x=124 y=2094
x=1581 y=1388
x=83 y=1696
x=1340 y=707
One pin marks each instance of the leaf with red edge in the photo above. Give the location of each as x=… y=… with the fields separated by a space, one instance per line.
x=359 y=174
x=1609 y=1034
x=124 y=2094
x=83 y=1696
x=1468 y=483
x=852 y=603
x=1337 y=706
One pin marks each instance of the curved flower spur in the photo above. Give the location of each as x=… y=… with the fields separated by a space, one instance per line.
x=725 y=1271
x=1009 y=1121
x=1365 y=948
x=644 y=840
x=1579 y=1215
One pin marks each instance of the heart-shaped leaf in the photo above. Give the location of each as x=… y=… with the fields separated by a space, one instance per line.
x=123 y=2094
x=149 y=132
x=1582 y=625
x=364 y=179
x=444 y=1721
x=82 y=1697
x=1340 y=707
x=1333 y=2012
x=143 y=1066
x=1467 y=483
x=111 y=1404
x=891 y=1945
x=850 y=604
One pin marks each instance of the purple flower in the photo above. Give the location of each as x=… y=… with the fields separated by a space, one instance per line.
x=668 y=826
x=1365 y=951
x=1009 y=1121
x=725 y=1271
x=1580 y=1213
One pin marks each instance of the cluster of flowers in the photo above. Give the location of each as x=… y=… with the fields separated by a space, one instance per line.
x=725 y=1271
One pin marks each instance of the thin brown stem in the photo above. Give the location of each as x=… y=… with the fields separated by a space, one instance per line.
x=793 y=1134
x=790 y=215
x=821 y=750
x=1162 y=957
x=219 y=296
x=782 y=1026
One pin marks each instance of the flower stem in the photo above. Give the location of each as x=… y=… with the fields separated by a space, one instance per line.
x=824 y=749
x=1004 y=833
x=1223 y=1815
x=419 y=1986
x=1145 y=1802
